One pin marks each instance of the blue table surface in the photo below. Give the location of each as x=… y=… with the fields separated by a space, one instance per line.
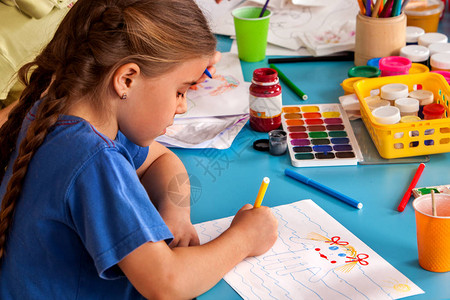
x=222 y=181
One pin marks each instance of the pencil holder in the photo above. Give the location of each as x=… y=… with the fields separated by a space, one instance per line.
x=378 y=37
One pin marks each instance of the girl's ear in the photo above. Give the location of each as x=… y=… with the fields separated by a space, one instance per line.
x=124 y=78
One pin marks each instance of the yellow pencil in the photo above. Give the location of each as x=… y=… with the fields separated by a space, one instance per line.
x=262 y=192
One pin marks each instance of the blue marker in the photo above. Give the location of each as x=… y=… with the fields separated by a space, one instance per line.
x=207 y=73
x=323 y=188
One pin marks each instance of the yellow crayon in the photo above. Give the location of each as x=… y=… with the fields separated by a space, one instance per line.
x=262 y=192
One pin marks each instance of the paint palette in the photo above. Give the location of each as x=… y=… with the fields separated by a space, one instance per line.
x=319 y=135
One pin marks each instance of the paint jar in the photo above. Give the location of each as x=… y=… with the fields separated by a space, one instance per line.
x=378 y=37
x=375 y=102
x=440 y=62
x=394 y=65
x=418 y=68
x=446 y=75
x=347 y=85
x=431 y=38
x=425 y=97
x=363 y=71
x=265 y=100
x=433 y=111
x=407 y=106
x=374 y=62
x=412 y=34
x=387 y=114
x=393 y=91
x=439 y=48
x=416 y=54
x=426 y=15
x=277 y=142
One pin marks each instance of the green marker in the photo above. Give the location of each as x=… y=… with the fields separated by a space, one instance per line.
x=289 y=83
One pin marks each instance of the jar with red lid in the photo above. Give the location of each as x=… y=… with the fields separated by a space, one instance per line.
x=433 y=111
x=265 y=100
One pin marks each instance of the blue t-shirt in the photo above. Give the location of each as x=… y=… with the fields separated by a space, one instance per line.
x=82 y=209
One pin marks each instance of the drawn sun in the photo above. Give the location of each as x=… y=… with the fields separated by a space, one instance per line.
x=399 y=286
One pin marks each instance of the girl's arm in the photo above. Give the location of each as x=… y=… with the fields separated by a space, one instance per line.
x=159 y=272
x=167 y=183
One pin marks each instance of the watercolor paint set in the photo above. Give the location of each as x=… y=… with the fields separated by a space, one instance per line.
x=319 y=135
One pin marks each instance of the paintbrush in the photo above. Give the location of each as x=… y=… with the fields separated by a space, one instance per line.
x=264 y=9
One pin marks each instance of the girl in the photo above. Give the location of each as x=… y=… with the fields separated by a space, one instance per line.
x=76 y=217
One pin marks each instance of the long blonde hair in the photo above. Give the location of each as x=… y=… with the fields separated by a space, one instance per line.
x=93 y=40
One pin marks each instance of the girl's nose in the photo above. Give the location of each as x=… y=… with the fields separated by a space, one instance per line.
x=182 y=106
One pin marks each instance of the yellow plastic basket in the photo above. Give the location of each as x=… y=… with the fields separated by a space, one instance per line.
x=408 y=139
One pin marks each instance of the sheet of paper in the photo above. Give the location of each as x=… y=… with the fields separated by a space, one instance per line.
x=276 y=50
x=214 y=11
x=224 y=95
x=199 y=133
x=315 y=257
x=288 y=22
x=331 y=40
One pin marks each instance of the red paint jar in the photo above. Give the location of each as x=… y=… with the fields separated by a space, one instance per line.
x=265 y=100
x=433 y=111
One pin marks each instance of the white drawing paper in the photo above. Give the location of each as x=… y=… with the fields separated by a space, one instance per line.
x=315 y=257
x=276 y=50
x=214 y=11
x=200 y=133
x=226 y=94
x=291 y=21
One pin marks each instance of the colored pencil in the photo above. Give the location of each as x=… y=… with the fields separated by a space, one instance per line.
x=341 y=56
x=407 y=195
x=396 y=6
x=261 y=192
x=381 y=6
x=362 y=8
x=376 y=8
x=323 y=188
x=387 y=9
x=208 y=73
x=289 y=83
x=404 y=4
x=368 y=8
x=264 y=8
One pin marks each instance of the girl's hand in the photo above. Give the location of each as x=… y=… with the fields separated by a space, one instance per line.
x=259 y=227
x=213 y=60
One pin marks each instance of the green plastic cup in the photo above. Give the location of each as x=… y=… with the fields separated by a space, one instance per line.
x=251 y=32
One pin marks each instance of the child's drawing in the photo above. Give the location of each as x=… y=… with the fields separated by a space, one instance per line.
x=288 y=22
x=218 y=85
x=226 y=94
x=314 y=257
